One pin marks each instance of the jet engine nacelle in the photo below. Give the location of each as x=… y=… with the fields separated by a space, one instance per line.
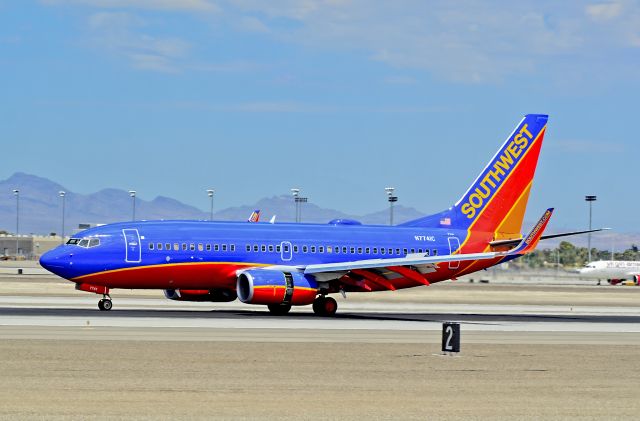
x=214 y=295
x=263 y=286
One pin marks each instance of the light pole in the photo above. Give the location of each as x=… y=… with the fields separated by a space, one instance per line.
x=132 y=193
x=298 y=200
x=590 y=199
x=62 y=195
x=16 y=193
x=296 y=195
x=210 y=194
x=392 y=199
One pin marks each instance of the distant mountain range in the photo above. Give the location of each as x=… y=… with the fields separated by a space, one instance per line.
x=41 y=212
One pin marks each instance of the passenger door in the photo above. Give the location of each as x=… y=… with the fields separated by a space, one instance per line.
x=454 y=244
x=133 y=250
x=286 y=251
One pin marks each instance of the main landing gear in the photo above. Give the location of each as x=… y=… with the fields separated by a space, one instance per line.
x=105 y=304
x=325 y=306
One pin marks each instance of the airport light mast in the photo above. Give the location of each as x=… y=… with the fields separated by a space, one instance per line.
x=590 y=199
x=132 y=193
x=298 y=200
x=210 y=194
x=392 y=199
x=62 y=195
x=16 y=193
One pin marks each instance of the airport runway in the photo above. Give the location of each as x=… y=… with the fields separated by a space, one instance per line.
x=556 y=353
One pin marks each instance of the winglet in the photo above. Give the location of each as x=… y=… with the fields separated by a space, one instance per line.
x=529 y=243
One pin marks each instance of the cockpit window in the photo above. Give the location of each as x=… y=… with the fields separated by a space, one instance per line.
x=85 y=242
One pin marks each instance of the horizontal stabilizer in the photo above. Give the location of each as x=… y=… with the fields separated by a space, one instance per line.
x=517 y=241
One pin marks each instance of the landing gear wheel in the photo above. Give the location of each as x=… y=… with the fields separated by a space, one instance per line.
x=105 y=304
x=325 y=306
x=279 y=309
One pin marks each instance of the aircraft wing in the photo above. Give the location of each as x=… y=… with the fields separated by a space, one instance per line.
x=526 y=245
x=411 y=260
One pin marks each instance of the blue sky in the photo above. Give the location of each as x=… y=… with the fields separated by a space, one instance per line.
x=340 y=98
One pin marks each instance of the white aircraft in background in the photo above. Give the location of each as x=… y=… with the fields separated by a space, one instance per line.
x=614 y=271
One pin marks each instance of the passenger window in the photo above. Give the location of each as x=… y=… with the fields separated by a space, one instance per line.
x=184 y=246
x=192 y=247
x=382 y=250
x=352 y=250
x=232 y=247
x=397 y=251
x=255 y=248
x=150 y=246
x=263 y=248
x=419 y=250
x=435 y=252
x=413 y=251
x=426 y=252
x=336 y=250
x=286 y=248
x=295 y=249
x=304 y=249
x=224 y=247
x=216 y=247
x=405 y=251
x=278 y=249
x=248 y=248
x=313 y=249
x=176 y=246
x=208 y=247
x=200 y=247
x=270 y=248
x=159 y=246
x=167 y=246
x=320 y=249
x=344 y=250
x=390 y=251
x=367 y=250
x=375 y=250
x=359 y=250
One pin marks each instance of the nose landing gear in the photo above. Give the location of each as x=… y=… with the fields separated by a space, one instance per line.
x=325 y=306
x=105 y=304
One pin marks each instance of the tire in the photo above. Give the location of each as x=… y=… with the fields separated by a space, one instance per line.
x=279 y=309
x=325 y=306
x=101 y=305
x=318 y=303
x=106 y=305
x=330 y=306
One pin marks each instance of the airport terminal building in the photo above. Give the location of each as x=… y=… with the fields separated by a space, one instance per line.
x=27 y=247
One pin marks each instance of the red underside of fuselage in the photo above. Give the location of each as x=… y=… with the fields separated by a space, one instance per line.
x=207 y=276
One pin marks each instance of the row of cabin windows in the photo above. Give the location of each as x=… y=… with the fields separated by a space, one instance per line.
x=305 y=249
x=192 y=247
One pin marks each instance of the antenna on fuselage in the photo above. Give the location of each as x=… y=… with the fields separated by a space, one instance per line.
x=272 y=220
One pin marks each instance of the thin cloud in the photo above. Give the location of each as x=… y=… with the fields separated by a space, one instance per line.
x=115 y=32
x=175 y=5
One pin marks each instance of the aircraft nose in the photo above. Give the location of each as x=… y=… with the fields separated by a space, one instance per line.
x=52 y=261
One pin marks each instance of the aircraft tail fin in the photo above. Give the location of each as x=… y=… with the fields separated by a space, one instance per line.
x=497 y=199
x=255 y=216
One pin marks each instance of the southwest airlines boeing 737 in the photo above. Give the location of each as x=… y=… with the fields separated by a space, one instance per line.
x=284 y=264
